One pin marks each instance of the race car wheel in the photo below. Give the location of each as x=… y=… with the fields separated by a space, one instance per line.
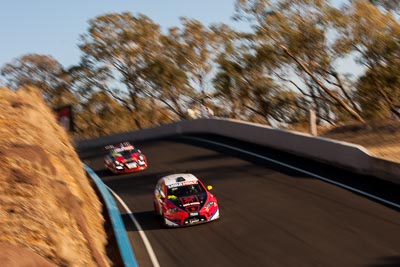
x=163 y=220
x=114 y=170
x=155 y=209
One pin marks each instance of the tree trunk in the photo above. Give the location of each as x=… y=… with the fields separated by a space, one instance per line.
x=340 y=101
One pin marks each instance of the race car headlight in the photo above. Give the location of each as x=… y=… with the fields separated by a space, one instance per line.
x=209 y=204
x=116 y=162
x=173 y=210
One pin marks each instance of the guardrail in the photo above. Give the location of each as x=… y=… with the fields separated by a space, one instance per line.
x=340 y=154
x=127 y=257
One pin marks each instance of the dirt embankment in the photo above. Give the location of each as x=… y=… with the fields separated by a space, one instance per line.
x=49 y=213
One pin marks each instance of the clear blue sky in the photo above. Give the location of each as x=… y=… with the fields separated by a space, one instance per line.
x=53 y=27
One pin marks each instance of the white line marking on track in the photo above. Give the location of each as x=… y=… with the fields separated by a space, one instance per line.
x=146 y=242
x=299 y=170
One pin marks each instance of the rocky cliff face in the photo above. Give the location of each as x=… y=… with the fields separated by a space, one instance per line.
x=47 y=204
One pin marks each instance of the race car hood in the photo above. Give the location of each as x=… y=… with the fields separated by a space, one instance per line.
x=190 y=203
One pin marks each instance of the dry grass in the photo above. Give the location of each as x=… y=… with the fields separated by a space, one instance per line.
x=47 y=204
x=381 y=138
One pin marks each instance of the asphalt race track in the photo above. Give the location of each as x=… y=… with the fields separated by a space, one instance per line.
x=270 y=215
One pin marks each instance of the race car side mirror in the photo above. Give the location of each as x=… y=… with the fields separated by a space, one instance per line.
x=209 y=187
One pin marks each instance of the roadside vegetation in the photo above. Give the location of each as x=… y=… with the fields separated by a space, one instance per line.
x=381 y=138
x=50 y=214
x=343 y=62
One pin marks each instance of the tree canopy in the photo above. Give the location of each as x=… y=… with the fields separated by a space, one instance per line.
x=132 y=74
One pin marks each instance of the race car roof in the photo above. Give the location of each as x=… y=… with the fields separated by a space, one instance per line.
x=120 y=147
x=176 y=179
x=125 y=148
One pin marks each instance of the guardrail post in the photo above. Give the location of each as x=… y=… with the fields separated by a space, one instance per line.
x=313 y=123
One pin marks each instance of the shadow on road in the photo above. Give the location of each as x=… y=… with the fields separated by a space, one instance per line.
x=391 y=261
x=148 y=221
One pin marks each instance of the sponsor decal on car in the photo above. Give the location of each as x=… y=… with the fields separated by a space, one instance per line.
x=131 y=165
x=120 y=149
x=181 y=184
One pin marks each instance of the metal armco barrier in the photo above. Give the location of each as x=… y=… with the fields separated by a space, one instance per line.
x=124 y=246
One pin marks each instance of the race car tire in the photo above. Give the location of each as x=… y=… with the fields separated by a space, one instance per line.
x=155 y=209
x=163 y=220
x=113 y=170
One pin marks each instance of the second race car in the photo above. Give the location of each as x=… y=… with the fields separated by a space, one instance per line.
x=124 y=158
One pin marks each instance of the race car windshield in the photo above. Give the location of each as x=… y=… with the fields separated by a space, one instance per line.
x=185 y=190
x=128 y=153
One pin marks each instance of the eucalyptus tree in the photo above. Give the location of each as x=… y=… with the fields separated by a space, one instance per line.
x=229 y=87
x=378 y=92
x=198 y=51
x=88 y=79
x=124 y=44
x=107 y=119
x=389 y=5
x=244 y=82
x=180 y=72
x=168 y=73
x=229 y=78
x=372 y=35
x=298 y=30
x=189 y=51
x=169 y=84
x=43 y=72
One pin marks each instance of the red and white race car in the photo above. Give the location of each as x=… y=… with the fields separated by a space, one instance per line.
x=182 y=200
x=124 y=157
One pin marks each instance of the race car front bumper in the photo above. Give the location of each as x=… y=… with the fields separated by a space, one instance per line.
x=186 y=220
x=127 y=169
